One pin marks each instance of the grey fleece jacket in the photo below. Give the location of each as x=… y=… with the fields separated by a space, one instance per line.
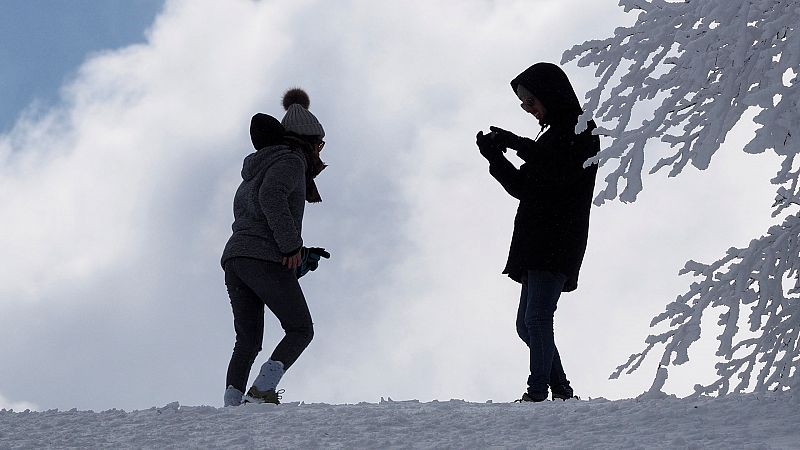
x=268 y=206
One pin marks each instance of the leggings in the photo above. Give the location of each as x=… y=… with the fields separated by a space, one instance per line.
x=251 y=284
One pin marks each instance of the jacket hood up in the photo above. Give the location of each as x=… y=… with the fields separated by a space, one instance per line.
x=256 y=162
x=552 y=87
x=265 y=130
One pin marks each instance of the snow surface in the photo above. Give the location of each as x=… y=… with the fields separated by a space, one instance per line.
x=738 y=421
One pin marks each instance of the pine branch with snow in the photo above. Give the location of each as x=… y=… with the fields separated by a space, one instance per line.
x=707 y=62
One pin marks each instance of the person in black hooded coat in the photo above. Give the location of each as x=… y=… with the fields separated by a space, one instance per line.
x=551 y=227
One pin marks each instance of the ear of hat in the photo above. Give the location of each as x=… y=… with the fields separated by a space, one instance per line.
x=298 y=119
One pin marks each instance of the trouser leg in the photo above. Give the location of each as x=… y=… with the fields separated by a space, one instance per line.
x=557 y=376
x=542 y=291
x=279 y=289
x=248 y=323
x=522 y=329
x=295 y=319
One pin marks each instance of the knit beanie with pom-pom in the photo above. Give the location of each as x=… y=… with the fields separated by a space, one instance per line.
x=298 y=119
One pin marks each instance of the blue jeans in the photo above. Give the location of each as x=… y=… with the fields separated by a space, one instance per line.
x=540 y=292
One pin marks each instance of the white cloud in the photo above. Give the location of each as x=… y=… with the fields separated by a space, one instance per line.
x=117 y=205
x=16 y=406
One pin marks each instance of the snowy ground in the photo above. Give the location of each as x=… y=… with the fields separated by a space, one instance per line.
x=736 y=421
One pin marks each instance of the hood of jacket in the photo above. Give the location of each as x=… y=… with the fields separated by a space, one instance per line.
x=552 y=87
x=257 y=161
x=265 y=130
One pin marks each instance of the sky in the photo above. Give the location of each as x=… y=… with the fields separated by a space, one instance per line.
x=45 y=41
x=120 y=154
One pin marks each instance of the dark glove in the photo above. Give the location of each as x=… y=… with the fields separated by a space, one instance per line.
x=506 y=139
x=488 y=148
x=310 y=257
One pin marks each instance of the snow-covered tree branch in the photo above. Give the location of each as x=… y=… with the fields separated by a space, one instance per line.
x=751 y=281
x=707 y=62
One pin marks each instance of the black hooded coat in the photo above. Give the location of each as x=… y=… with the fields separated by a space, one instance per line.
x=554 y=189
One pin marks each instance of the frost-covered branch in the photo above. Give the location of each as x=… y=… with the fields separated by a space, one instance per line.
x=691 y=69
x=761 y=282
x=707 y=62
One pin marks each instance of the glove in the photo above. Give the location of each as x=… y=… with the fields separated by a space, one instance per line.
x=488 y=148
x=506 y=139
x=310 y=257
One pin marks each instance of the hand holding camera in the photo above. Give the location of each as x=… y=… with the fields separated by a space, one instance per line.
x=506 y=139
x=488 y=147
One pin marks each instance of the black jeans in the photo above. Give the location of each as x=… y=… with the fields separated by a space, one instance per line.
x=251 y=284
x=540 y=292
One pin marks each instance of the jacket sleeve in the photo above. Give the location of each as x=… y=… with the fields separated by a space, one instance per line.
x=284 y=177
x=527 y=149
x=512 y=179
x=509 y=176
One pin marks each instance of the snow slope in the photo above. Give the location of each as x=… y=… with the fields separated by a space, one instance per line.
x=735 y=421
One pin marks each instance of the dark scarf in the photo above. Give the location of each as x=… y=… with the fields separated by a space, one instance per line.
x=314 y=165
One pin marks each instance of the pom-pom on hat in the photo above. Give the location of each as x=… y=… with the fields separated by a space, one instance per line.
x=296 y=95
x=298 y=119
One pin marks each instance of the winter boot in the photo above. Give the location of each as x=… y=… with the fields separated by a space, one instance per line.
x=233 y=396
x=268 y=377
x=269 y=396
x=563 y=392
x=263 y=389
x=526 y=397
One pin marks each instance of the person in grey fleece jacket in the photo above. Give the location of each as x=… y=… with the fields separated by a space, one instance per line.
x=261 y=256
